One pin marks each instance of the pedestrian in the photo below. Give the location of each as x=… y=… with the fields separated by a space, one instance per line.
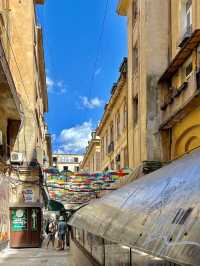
x=62 y=230
x=51 y=233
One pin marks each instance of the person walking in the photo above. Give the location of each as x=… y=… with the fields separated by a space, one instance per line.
x=51 y=233
x=62 y=230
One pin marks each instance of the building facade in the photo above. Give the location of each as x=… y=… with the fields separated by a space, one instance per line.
x=113 y=126
x=11 y=120
x=67 y=162
x=163 y=78
x=180 y=83
x=91 y=160
x=24 y=137
x=147 y=59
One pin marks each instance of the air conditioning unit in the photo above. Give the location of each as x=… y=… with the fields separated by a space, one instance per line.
x=16 y=157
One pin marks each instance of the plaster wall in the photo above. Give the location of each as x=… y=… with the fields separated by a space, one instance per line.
x=23 y=61
x=150 y=32
x=120 y=142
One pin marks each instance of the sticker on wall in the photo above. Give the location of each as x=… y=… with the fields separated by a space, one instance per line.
x=34 y=220
x=19 y=220
x=28 y=195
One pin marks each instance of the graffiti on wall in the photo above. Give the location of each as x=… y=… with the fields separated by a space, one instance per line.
x=4 y=209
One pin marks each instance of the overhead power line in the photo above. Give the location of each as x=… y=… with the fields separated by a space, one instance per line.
x=99 y=46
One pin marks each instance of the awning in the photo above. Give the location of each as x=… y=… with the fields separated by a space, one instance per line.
x=54 y=205
x=158 y=213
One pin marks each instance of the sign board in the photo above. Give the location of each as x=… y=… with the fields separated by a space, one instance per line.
x=19 y=220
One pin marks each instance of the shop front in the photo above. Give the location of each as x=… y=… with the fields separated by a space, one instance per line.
x=25 y=225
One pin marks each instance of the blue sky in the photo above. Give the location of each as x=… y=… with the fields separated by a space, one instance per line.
x=80 y=69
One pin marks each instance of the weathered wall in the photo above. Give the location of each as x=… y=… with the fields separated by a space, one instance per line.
x=23 y=42
x=120 y=142
x=149 y=30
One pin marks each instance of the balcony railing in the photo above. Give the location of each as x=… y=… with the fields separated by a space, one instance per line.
x=177 y=101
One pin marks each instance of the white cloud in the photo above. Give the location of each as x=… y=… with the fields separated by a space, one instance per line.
x=53 y=138
x=56 y=87
x=98 y=71
x=75 y=139
x=91 y=103
x=50 y=84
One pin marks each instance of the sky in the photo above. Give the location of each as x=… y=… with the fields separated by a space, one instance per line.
x=84 y=44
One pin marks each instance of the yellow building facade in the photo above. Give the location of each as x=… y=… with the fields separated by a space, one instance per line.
x=91 y=160
x=24 y=139
x=113 y=126
x=180 y=83
x=147 y=59
x=163 y=78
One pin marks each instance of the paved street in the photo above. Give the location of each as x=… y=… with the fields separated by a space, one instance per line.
x=33 y=257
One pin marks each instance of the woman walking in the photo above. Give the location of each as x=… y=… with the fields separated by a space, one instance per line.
x=51 y=233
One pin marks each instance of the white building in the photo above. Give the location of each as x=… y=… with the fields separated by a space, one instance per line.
x=66 y=162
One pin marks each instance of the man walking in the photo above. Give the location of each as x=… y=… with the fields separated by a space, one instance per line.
x=62 y=230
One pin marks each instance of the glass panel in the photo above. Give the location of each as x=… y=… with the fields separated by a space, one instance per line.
x=88 y=242
x=80 y=236
x=98 y=249
x=116 y=255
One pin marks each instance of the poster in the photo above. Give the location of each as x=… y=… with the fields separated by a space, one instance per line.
x=19 y=220
x=28 y=195
x=4 y=209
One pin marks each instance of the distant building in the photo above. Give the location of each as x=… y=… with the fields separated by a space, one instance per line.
x=91 y=160
x=67 y=162
x=112 y=129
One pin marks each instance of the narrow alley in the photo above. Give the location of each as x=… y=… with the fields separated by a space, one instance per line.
x=35 y=256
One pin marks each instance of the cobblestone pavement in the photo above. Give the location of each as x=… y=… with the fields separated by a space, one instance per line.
x=35 y=256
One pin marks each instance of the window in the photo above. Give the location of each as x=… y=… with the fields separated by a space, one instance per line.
x=102 y=148
x=76 y=159
x=135 y=10
x=106 y=142
x=65 y=168
x=111 y=132
x=135 y=110
x=188 y=70
x=55 y=159
x=126 y=164
x=76 y=168
x=112 y=165
x=186 y=22
x=118 y=124
x=125 y=115
x=189 y=14
x=135 y=57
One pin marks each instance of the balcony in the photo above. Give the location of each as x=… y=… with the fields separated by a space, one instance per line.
x=177 y=102
x=111 y=147
x=188 y=47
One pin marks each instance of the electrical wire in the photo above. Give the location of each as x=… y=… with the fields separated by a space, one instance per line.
x=99 y=47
